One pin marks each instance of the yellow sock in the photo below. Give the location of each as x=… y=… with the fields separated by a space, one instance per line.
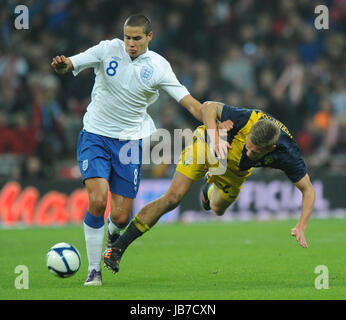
x=141 y=225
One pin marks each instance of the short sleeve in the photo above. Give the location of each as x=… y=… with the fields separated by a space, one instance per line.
x=171 y=85
x=89 y=58
x=295 y=169
x=239 y=116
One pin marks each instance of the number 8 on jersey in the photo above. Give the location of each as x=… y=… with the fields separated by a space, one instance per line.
x=112 y=68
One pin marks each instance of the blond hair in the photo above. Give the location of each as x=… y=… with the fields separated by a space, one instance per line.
x=264 y=133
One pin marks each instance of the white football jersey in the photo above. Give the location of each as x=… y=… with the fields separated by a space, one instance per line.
x=124 y=89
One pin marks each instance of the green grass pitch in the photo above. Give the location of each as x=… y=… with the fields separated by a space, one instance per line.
x=200 y=261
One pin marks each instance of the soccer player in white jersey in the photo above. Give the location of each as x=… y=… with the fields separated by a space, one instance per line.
x=128 y=77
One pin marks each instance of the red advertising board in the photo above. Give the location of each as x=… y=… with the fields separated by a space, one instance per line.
x=25 y=205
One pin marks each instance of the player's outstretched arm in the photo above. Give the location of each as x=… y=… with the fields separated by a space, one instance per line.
x=211 y=116
x=61 y=64
x=193 y=106
x=308 y=192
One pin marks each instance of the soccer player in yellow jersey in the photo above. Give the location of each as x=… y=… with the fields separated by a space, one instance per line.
x=253 y=139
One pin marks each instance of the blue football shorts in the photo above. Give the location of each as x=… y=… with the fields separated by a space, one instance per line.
x=117 y=161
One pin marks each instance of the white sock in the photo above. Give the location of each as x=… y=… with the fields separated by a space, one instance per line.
x=94 y=244
x=112 y=227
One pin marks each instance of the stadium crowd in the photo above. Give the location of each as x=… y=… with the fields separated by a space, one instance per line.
x=263 y=54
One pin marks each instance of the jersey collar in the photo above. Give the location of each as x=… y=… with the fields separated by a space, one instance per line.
x=143 y=56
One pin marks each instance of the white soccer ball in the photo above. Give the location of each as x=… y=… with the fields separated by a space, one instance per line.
x=63 y=260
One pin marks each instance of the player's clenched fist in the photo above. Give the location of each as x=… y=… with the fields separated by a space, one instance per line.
x=61 y=64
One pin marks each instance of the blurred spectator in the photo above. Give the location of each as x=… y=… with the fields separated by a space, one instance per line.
x=318 y=139
x=31 y=168
x=237 y=69
x=26 y=133
x=57 y=12
x=290 y=83
x=338 y=97
x=201 y=77
x=72 y=124
x=311 y=46
x=48 y=118
x=9 y=141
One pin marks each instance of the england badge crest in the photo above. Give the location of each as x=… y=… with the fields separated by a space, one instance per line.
x=146 y=74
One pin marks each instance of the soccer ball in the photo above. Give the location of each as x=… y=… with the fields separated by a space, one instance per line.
x=63 y=260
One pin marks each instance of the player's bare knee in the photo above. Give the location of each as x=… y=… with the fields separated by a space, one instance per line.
x=121 y=221
x=120 y=218
x=217 y=210
x=220 y=209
